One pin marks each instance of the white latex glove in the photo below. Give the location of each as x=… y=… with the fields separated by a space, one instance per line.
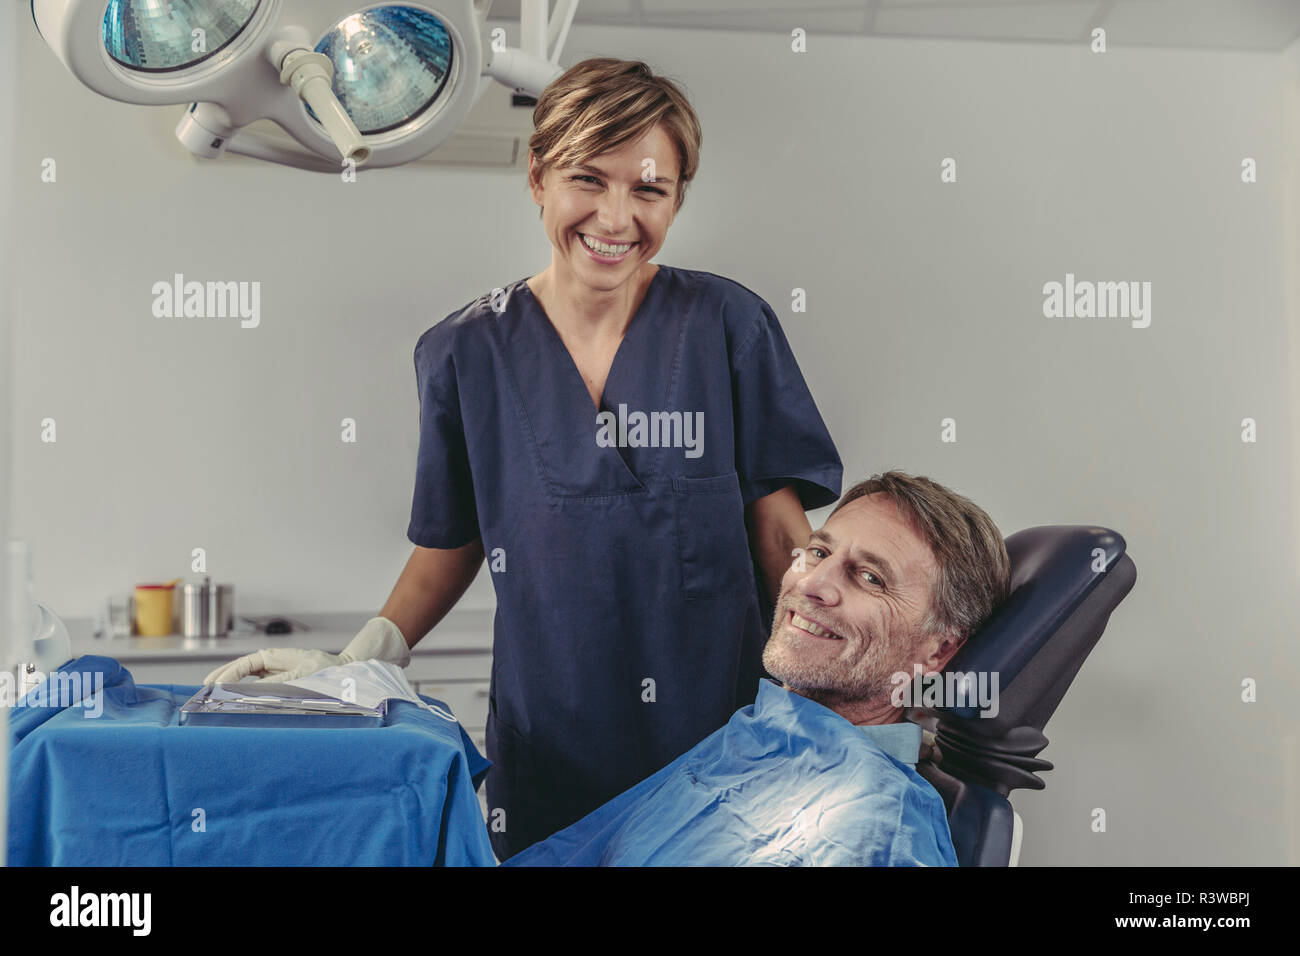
x=379 y=639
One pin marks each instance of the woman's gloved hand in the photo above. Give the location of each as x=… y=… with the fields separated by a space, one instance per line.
x=379 y=639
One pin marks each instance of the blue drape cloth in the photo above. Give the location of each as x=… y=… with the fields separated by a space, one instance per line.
x=130 y=786
x=786 y=782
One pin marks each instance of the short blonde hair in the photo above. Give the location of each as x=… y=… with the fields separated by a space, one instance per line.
x=601 y=104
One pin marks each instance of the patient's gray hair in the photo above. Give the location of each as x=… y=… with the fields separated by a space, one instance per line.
x=974 y=574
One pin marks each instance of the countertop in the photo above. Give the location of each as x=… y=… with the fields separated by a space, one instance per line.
x=467 y=630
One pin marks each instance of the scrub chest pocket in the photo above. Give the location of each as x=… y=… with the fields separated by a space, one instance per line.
x=712 y=545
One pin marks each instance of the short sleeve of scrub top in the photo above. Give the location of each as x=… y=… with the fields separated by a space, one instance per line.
x=443 y=513
x=780 y=438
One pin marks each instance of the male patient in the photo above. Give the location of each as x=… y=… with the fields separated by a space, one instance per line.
x=821 y=769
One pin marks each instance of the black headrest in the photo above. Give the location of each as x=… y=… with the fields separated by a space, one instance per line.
x=1065 y=581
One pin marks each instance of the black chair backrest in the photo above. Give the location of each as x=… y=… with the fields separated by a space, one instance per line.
x=1065 y=582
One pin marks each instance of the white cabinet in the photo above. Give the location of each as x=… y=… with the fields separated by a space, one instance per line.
x=468 y=700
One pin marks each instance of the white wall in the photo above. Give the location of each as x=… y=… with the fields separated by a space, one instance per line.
x=8 y=103
x=1280 y=658
x=819 y=172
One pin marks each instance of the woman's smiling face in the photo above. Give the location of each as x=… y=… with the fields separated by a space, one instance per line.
x=622 y=202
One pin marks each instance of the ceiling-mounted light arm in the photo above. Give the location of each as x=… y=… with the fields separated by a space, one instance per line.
x=561 y=20
x=529 y=68
x=522 y=72
x=536 y=36
x=481 y=10
x=532 y=27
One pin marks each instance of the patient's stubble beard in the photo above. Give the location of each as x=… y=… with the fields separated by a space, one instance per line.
x=866 y=678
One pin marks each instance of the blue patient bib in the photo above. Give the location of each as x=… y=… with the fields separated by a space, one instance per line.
x=787 y=782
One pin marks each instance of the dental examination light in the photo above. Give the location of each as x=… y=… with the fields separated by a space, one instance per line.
x=381 y=86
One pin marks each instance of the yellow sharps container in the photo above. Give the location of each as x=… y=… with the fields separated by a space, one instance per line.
x=153 y=608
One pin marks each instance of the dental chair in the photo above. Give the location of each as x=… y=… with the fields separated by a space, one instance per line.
x=1036 y=642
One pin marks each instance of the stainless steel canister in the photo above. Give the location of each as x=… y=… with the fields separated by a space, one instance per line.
x=221 y=610
x=207 y=609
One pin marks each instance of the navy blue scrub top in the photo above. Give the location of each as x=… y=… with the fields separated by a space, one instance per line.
x=628 y=623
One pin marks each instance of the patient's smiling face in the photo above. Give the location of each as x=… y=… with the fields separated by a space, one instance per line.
x=867 y=580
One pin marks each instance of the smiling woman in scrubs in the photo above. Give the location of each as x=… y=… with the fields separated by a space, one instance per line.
x=627 y=442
